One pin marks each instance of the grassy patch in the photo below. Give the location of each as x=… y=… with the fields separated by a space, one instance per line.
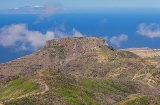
x=71 y=90
x=68 y=88
x=106 y=86
x=17 y=88
x=87 y=90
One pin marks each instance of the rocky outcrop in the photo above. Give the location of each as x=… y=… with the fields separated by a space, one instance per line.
x=52 y=55
x=77 y=44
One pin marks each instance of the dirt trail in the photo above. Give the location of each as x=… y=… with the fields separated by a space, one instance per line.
x=41 y=83
x=138 y=74
x=46 y=88
x=130 y=99
x=124 y=102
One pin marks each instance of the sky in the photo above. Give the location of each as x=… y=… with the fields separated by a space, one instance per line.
x=34 y=22
x=83 y=4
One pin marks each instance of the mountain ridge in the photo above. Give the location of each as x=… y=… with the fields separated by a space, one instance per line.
x=72 y=48
x=80 y=70
x=144 y=52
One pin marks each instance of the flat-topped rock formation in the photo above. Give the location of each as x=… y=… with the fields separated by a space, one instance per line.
x=85 y=67
x=77 y=44
x=52 y=55
x=80 y=56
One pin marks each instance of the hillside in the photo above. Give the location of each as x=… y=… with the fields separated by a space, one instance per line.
x=79 y=71
x=145 y=52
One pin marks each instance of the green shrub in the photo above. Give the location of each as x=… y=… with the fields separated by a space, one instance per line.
x=17 y=88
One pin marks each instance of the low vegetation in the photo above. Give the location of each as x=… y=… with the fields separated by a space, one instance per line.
x=102 y=75
x=16 y=88
x=73 y=90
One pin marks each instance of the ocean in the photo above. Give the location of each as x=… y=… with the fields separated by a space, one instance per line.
x=97 y=24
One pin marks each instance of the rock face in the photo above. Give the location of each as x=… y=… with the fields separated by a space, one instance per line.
x=77 y=45
x=84 y=56
x=52 y=55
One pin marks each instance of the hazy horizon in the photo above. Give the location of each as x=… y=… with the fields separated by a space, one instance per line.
x=26 y=25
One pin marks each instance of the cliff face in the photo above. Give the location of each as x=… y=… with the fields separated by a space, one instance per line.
x=77 y=45
x=52 y=55
x=84 y=56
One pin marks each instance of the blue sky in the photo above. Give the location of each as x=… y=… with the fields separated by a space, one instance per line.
x=83 y=4
x=33 y=22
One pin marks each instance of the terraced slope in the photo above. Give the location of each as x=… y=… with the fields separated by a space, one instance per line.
x=80 y=71
x=68 y=89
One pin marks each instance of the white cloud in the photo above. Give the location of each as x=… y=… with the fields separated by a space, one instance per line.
x=19 y=33
x=24 y=10
x=22 y=47
x=9 y=35
x=117 y=40
x=76 y=33
x=45 y=10
x=37 y=39
x=149 y=30
x=49 y=10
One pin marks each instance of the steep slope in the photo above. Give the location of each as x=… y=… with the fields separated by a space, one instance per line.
x=52 y=55
x=82 y=70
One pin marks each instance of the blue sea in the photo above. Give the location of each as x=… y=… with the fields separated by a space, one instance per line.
x=98 y=24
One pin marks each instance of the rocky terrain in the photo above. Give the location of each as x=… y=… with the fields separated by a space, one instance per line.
x=76 y=71
x=145 y=52
x=52 y=55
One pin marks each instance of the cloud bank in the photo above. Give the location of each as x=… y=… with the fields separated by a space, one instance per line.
x=19 y=36
x=149 y=30
x=45 y=10
x=24 y=10
x=48 y=10
x=117 y=40
x=19 y=33
x=74 y=33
